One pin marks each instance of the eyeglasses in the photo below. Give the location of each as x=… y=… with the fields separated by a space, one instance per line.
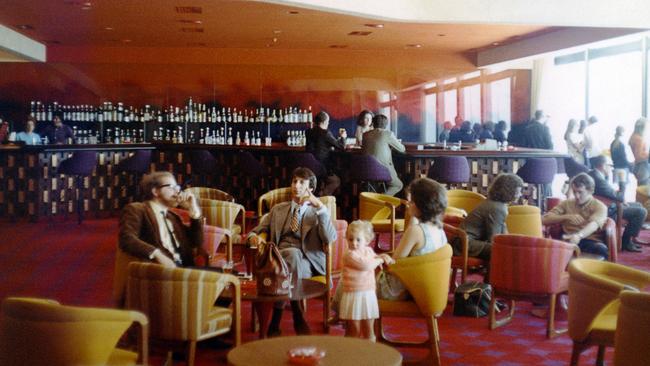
x=175 y=187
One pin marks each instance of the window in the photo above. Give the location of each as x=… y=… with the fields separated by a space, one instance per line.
x=500 y=101
x=472 y=103
x=430 y=110
x=615 y=94
x=451 y=104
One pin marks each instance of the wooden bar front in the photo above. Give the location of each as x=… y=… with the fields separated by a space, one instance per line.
x=30 y=186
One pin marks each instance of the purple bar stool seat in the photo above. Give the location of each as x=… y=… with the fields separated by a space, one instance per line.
x=538 y=171
x=449 y=170
x=307 y=160
x=81 y=164
x=137 y=164
x=573 y=167
x=203 y=164
x=365 y=168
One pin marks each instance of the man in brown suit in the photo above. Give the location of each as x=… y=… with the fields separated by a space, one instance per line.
x=148 y=230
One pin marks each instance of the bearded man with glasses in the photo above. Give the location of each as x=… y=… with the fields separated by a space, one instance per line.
x=149 y=230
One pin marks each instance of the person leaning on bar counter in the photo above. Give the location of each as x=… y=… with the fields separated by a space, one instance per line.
x=29 y=137
x=58 y=132
x=377 y=143
x=320 y=142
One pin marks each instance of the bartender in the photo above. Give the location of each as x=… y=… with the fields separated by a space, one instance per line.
x=58 y=132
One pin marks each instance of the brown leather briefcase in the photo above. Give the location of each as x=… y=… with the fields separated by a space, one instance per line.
x=272 y=272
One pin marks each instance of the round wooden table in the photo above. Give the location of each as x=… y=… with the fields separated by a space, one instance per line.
x=263 y=304
x=340 y=351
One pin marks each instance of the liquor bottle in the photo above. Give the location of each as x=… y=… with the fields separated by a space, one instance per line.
x=229 y=139
x=191 y=139
x=247 y=140
x=258 y=139
x=237 y=139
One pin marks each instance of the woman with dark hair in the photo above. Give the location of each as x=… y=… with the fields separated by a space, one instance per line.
x=427 y=201
x=364 y=124
x=489 y=217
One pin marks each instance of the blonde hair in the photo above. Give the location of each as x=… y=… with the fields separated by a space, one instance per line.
x=361 y=226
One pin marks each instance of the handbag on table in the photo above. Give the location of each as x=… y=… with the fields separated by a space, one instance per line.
x=271 y=271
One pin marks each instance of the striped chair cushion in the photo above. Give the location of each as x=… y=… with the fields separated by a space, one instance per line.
x=529 y=265
x=211 y=193
x=223 y=214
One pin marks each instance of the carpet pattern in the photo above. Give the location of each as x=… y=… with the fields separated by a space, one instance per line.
x=74 y=264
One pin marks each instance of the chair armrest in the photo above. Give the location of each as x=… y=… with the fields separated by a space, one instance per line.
x=233 y=281
x=143 y=337
x=454 y=232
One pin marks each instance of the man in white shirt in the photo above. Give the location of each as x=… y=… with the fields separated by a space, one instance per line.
x=149 y=230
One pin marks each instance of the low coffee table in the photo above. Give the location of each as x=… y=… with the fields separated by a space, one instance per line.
x=263 y=304
x=339 y=351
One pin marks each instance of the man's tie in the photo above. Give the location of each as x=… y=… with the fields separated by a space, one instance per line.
x=294 y=220
x=177 y=257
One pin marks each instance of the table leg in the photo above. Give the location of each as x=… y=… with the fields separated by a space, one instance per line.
x=263 y=311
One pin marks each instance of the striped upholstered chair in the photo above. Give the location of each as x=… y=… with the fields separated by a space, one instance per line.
x=180 y=303
x=224 y=215
x=426 y=278
x=271 y=198
x=44 y=332
x=211 y=194
x=531 y=269
x=594 y=291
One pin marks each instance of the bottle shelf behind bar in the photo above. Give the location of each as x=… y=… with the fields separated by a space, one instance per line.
x=192 y=123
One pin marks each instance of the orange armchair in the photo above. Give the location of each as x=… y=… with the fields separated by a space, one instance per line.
x=633 y=320
x=426 y=278
x=44 y=332
x=224 y=214
x=531 y=269
x=594 y=290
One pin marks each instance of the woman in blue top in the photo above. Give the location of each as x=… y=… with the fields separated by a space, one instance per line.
x=29 y=136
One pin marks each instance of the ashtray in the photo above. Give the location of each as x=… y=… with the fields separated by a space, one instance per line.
x=305 y=355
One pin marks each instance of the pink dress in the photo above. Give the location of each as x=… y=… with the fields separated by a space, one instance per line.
x=359 y=300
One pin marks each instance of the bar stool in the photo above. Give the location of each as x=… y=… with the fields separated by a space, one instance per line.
x=81 y=164
x=203 y=164
x=451 y=170
x=573 y=168
x=365 y=168
x=137 y=164
x=308 y=160
x=538 y=171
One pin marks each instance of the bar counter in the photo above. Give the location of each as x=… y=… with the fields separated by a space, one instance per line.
x=30 y=186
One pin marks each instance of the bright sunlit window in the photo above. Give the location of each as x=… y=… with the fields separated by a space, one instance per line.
x=500 y=101
x=472 y=103
x=451 y=104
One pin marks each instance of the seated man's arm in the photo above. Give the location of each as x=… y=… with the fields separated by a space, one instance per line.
x=555 y=215
x=130 y=228
x=326 y=229
x=253 y=237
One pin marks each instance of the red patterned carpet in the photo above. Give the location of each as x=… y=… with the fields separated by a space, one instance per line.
x=74 y=264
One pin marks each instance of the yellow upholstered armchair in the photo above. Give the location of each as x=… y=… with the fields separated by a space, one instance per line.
x=426 y=278
x=524 y=220
x=211 y=194
x=180 y=303
x=224 y=214
x=44 y=332
x=632 y=329
x=379 y=209
x=462 y=199
x=594 y=290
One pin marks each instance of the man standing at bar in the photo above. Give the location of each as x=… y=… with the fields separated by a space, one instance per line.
x=300 y=227
x=150 y=231
x=320 y=142
x=378 y=143
x=58 y=132
x=537 y=134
